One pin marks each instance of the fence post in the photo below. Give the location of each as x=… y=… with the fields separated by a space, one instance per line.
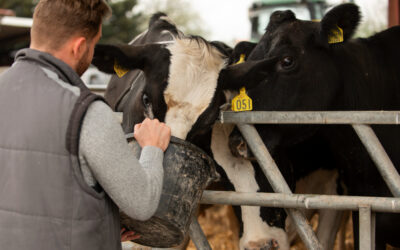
x=373 y=226
x=197 y=235
x=380 y=157
x=365 y=227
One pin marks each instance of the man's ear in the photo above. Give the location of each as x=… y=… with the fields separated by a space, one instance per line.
x=343 y=19
x=126 y=56
x=248 y=74
x=79 y=47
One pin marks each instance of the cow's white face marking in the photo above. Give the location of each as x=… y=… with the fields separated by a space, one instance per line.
x=193 y=76
x=241 y=174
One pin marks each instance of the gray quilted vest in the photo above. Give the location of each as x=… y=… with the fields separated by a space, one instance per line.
x=45 y=203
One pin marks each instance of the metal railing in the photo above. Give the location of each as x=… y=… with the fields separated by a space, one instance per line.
x=367 y=206
x=97 y=89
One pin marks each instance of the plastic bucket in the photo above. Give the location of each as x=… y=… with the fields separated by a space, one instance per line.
x=187 y=172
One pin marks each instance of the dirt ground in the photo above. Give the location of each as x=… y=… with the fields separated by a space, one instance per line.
x=220 y=226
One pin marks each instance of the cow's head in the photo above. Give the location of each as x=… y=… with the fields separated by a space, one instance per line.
x=180 y=82
x=161 y=30
x=303 y=71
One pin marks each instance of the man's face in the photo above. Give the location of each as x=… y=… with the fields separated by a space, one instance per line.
x=87 y=57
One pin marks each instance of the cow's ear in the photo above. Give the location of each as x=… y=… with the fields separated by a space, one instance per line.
x=107 y=57
x=340 y=23
x=222 y=47
x=242 y=48
x=248 y=74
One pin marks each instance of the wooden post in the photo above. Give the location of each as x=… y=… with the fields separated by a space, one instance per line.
x=394 y=10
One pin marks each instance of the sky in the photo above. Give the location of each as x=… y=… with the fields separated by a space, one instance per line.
x=227 y=20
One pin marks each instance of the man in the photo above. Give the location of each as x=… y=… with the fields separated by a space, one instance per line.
x=64 y=163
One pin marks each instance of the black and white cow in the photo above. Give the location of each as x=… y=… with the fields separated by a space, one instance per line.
x=304 y=174
x=307 y=73
x=179 y=83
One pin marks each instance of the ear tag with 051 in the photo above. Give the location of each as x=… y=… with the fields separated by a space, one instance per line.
x=242 y=102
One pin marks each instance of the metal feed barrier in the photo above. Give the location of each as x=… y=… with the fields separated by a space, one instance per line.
x=367 y=206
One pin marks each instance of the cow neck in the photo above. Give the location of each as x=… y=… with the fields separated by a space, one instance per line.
x=359 y=77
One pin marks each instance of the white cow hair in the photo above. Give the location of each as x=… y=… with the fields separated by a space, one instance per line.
x=167 y=19
x=160 y=42
x=240 y=172
x=138 y=36
x=193 y=76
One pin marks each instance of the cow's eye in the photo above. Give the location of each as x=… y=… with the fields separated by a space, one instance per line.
x=287 y=62
x=145 y=100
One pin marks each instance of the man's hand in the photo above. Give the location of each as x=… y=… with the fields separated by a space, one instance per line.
x=152 y=133
x=128 y=235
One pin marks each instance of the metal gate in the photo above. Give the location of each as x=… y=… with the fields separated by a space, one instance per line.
x=367 y=206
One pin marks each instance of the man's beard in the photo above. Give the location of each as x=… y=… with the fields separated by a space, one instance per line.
x=83 y=63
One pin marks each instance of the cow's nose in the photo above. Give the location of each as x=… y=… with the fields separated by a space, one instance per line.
x=274 y=244
x=264 y=245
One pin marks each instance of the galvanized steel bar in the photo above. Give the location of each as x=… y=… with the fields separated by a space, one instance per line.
x=278 y=183
x=304 y=201
x=197 y=235
x=373 y=226
x=305 y=117
x=380 y=157
x=264 y=158
x=365 y=227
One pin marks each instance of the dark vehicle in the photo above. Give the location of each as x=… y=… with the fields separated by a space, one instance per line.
x=14 y=35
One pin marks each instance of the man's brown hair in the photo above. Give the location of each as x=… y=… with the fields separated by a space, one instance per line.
x=55 y=21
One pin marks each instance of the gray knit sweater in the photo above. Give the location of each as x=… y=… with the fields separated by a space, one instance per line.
x=105 y=157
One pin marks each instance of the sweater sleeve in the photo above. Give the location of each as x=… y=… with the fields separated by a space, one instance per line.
x=134 y=185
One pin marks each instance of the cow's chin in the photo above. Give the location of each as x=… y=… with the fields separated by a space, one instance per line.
x=180 y=126
x=179 y=131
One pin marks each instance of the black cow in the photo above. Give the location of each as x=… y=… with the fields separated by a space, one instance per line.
x=179 y=83
x=308 y=167
x=308 y=73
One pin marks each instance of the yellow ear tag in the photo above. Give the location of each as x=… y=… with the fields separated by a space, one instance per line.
x=242 y=102
x=241 y=59
x=336 y=35
x=119 y=70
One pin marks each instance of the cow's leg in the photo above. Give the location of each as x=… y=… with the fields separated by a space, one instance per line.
x=319 y=182
x=329 y=224
x=329 y=220
x=257 y=234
